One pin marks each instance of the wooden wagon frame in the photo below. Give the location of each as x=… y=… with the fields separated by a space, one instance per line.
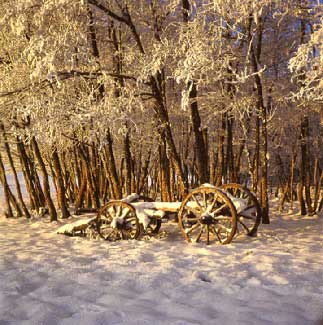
x=207 y=214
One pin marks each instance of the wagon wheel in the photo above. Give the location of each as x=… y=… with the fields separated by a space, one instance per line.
x=155 y=223
x=248 y=211
x=118 y=220
x=207 y=214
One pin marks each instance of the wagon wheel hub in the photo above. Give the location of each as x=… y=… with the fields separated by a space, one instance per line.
x=119 y=226
x=206 y=219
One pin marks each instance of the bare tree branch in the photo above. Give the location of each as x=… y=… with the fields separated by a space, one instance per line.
x=65 y=75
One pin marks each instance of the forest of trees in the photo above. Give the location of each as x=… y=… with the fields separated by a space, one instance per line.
x=102 y=98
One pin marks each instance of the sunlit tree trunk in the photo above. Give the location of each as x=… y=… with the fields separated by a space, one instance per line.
x=200 y=145
x=6 y=189
x=49 y=201
x=14 y=172
x=61 y=199
x=255 y=53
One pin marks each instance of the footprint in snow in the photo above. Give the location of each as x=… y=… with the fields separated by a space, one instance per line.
x=201 y=276
x=147 y=258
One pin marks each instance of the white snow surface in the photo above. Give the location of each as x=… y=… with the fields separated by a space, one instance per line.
x=275 y=278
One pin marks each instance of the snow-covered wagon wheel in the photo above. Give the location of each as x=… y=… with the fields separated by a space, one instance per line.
x=207 y=215
x=118 y=220
x=247 y=206
x=155 y=223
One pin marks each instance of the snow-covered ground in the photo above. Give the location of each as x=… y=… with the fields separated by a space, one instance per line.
x=275 y=278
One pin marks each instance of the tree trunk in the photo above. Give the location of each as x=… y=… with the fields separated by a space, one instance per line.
x=255 y=58
x=292 y=168
x=221 y=171
x=6 y=189
x=229 y=155
x=14 y=172
x=128 y=164
x=200 y=145
x=25 y=166
x=48 y=199
x=81 y=191
x=164 y=176
x=91 y=186
x=143 y=174
x=165 y=131
x=61 y=199
x=112 y=169
x=305 y=167
x=317 y=185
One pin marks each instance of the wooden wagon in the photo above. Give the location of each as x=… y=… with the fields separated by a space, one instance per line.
x=207 y=214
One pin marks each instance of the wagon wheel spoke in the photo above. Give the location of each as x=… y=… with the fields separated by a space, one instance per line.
x=216 y=234
x=227 y=230
x=104 y=224
x=119 y=211
x=113 y=232
x=194 y=227
x=197 y=239
x=221 y=232
x=205 y=200
x=213 y=203
x=244 y=216
x=234 y=192
x=218 y=210
x=195 y=233
x=244 y=195
x=106 y=215
x=244 y=226
x=128 y=234
x=188 y=218
x=248 y=207
x=197 y=201
x=218 y=218
x=194 y=211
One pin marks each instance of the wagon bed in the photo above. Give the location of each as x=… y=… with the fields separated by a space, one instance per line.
x=207 y=214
